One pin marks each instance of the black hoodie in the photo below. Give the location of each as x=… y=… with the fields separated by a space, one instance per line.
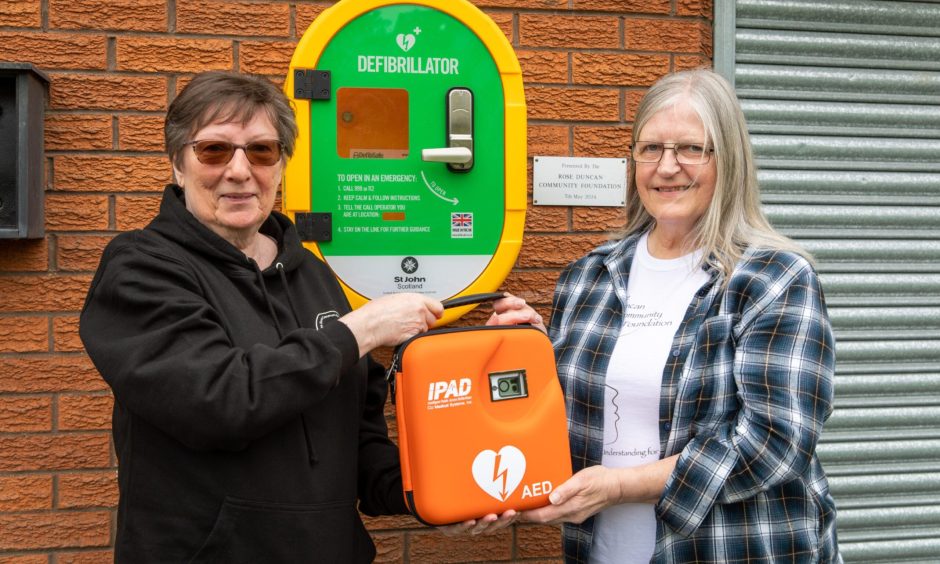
x=245 y=424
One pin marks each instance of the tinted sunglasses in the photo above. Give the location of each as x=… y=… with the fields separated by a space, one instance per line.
x=214 y=152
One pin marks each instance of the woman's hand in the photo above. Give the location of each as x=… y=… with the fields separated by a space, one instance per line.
x=586 y=493
x=595 y=488
x=391 y=319
x=512 y=310
x=484 y=525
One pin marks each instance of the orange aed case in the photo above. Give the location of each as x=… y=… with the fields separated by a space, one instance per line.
x=481 y=422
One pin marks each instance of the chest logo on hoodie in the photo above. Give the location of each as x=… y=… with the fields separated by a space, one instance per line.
x=324 y=316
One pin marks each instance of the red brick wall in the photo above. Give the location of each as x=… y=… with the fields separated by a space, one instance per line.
x=114 y=66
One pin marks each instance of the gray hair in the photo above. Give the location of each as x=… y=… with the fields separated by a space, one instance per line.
x=222 y=96
x=734 y=220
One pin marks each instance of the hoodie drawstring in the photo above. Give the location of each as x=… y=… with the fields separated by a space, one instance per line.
x=311 y=451
x=290 y=302
x=267 y=300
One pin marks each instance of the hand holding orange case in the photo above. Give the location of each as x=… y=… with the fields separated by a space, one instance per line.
x=481 y=422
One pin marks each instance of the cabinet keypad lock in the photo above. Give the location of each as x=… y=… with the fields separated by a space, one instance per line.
x=459 y=151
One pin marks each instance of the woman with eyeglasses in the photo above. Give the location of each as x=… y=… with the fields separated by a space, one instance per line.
x=248 y=415
x=697 y=359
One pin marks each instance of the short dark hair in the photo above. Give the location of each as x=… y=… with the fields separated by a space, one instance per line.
x=227 y=97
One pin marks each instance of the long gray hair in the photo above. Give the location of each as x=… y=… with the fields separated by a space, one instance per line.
x=734 y=220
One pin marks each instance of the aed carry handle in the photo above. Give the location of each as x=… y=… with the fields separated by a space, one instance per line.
x=473 y=299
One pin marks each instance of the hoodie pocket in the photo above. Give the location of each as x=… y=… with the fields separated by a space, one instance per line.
x=256 y=531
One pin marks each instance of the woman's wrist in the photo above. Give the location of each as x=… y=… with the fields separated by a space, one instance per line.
x=625 y=481
x=641 y=484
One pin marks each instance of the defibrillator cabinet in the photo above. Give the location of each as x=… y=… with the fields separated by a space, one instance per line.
x=410 y=169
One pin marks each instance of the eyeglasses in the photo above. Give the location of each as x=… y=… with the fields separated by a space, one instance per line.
x=686 y=153
x=214 y=152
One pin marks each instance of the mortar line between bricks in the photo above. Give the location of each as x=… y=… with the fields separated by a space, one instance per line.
x=171 y=16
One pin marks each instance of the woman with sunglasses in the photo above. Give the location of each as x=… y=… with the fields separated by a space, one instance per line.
x=697 y=359
x=248 y=416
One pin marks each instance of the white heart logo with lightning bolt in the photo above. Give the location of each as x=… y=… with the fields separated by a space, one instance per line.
x=499 y=473
x=406 y=42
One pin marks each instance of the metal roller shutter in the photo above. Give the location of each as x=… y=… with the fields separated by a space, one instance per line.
x=843 y=102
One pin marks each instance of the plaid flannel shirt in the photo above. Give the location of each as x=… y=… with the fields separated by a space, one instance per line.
x=745 y=393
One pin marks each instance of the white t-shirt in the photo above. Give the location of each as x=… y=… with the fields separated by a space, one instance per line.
x=658 y=293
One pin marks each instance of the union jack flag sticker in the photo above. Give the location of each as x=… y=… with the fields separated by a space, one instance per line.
x=461 y=225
